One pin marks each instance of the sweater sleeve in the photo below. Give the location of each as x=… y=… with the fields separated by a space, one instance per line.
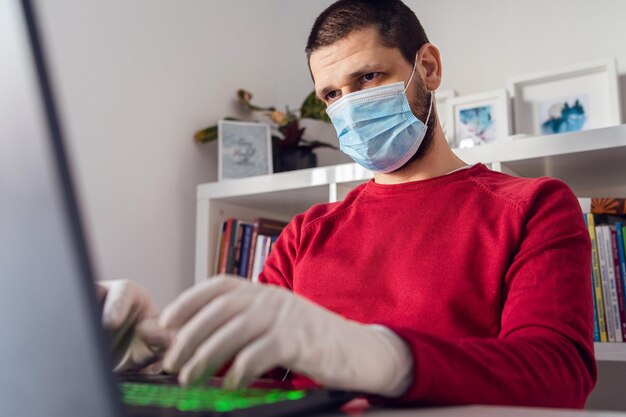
x=543 y=355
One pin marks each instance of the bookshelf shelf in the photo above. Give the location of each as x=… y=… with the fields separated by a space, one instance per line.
x=610 y=352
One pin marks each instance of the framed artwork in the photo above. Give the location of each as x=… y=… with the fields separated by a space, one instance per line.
x=479 y=118
x=441 y=100
x=244 y=149
x=581 y=97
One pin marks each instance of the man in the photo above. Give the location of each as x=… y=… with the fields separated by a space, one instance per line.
x=434 y=283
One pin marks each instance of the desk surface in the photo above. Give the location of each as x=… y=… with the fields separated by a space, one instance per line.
x=475 y=411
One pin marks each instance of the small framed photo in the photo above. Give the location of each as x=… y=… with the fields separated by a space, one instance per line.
x=581 y=97
x=441 y=99
x=244 y=149
x=479 y=118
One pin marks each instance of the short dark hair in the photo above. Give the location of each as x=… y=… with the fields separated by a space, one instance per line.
x=397 y=25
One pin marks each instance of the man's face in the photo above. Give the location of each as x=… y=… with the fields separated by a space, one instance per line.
x=360 y=61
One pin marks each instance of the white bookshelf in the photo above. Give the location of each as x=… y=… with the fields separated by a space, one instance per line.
x=611 y=352
x=592 y=163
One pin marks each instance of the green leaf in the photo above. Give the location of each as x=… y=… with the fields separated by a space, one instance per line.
x=314 y=108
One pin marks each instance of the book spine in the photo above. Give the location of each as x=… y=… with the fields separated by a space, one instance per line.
x=226 y=246
x=237 y=248
x=257 y=264
x=597 y=280
x=245 y=250
x=618 y=282
x=621 y=250
x=255 y=233
x=230 y=264
x=608 y=248
x=606 y=291
x=596 y=329
x=219 y=247
x=270 y=227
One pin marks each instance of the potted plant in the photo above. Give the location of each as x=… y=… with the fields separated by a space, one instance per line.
x=289 y=149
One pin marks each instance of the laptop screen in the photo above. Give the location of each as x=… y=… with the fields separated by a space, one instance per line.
x=52 y=351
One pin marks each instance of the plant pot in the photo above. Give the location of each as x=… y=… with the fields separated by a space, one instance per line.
x=289 y=159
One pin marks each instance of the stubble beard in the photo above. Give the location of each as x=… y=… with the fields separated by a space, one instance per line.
x=420 y=103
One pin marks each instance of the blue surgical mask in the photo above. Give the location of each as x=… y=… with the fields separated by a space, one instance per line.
x=376 y=127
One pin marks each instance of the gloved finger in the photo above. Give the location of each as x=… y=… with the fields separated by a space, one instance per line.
x=153 y=336
x=138 y=356
x=122 y=299
x=186 y=305
x=201 y=326
x=219 y=348
x=123 y=335
x=254 y=360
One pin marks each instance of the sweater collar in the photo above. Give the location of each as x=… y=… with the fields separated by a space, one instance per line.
x=456 y=175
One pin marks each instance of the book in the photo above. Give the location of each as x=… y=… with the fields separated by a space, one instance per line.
x=246 y=243
x=606 y=292
x=597 y=282
x=609 y=290
x=219 y=247
x=621 y=250
x=266 y=227
x=596 y=326
x=226 y=244
x=259 y=257
x=236 y=248
x=615 y=206
x=618 y=281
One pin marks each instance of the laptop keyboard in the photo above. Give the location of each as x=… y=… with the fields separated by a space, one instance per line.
x=201 y=398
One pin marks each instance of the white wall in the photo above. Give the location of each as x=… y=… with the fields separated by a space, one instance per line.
x=482 y=42
x=135 y=80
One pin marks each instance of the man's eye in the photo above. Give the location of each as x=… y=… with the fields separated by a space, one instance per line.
x=332 y=95
x=369 y=77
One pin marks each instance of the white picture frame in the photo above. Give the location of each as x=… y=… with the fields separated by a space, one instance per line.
x=478 y=119
x=579 y=97
x=244 y=149
x=441 y=100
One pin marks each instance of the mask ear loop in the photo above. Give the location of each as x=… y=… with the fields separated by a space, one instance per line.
x=432 y=93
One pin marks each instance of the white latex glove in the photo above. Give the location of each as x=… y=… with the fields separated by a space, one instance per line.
x=264 y=326
x=128 y=313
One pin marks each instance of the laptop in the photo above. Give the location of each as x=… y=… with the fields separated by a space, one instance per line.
x=53 y=351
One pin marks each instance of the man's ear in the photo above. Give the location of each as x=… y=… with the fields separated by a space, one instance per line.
x=429 y=66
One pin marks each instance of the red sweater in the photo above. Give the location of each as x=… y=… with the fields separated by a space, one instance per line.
x=484 y=275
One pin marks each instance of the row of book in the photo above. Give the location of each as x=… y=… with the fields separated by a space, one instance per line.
x=606 y=221
x=243 y=246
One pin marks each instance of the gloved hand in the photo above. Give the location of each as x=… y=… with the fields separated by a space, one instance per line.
x=264 y=326
x=128 y=313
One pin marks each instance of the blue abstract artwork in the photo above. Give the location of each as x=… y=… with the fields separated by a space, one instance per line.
x=563 y=115
x=477 y=125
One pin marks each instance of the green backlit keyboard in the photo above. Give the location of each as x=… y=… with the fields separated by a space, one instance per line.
x=202 y=399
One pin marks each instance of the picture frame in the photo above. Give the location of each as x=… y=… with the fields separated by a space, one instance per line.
x=580 y=97
x=478 y=119
x=441 y=100
x=244 y=149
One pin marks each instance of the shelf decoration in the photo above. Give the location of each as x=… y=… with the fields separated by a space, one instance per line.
x=479 y=118
x=244 y=149
x=581 y=97
x=290 y=151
